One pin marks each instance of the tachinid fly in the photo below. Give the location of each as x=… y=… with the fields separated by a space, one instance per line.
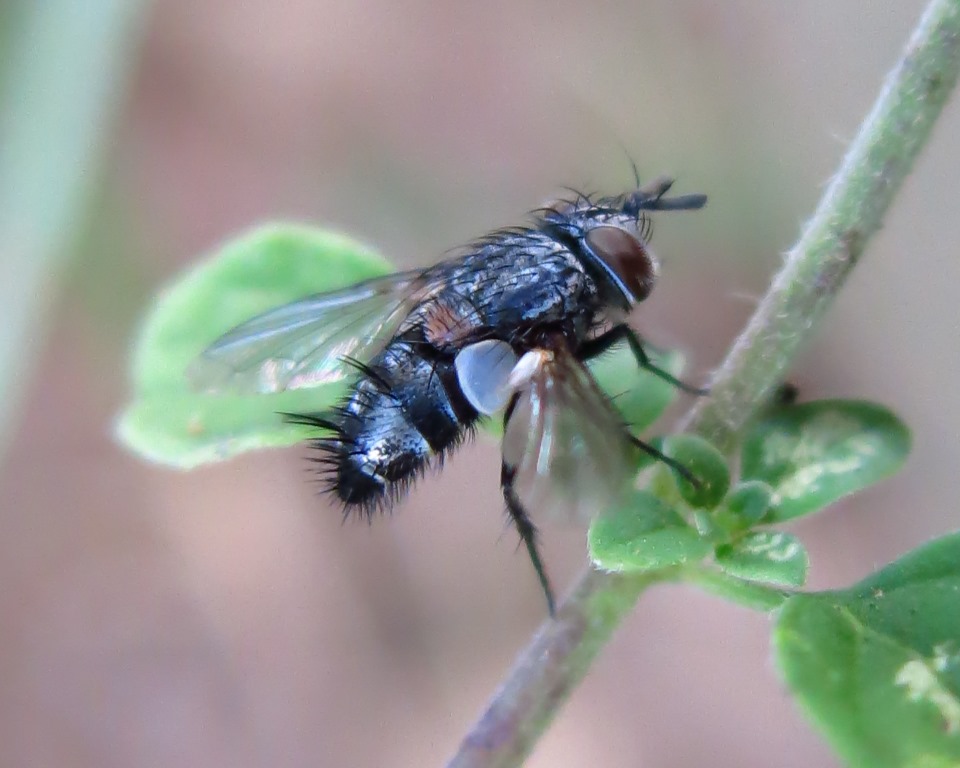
x=506 y=326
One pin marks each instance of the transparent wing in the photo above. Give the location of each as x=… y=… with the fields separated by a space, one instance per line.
x=302 y=344
x=568 y=444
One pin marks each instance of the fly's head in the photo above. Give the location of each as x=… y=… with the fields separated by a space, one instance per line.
x=611 y=236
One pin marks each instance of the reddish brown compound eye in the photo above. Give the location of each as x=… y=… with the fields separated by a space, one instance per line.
x=625 y=259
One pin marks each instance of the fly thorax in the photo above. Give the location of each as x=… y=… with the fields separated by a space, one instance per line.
x=447 y=320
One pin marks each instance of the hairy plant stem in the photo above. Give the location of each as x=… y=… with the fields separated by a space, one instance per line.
x=849 y=213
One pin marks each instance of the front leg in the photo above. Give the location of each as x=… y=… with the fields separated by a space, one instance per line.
x=604 y=341
x=525 y=526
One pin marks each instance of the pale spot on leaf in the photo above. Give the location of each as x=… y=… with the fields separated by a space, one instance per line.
x=921 y=680
x=777 y=547
x=806 y=479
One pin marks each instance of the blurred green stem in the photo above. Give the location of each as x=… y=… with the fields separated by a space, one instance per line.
x=850 y=211
x=63 y=78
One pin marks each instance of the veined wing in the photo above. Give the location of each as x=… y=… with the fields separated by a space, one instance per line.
x=568 y=445
x=303 y=344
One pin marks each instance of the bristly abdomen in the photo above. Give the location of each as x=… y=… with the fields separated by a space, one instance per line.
x=404 y=411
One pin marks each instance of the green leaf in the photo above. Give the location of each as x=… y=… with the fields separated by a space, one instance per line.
x=167 y=421
x=705 y=462
x=745 y=505
x=772 y=557
x=750 y=594
x=815 y=453
x=640 y=396
x=877 y=666
x=643 y=534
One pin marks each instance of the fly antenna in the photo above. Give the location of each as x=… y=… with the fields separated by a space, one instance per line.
x=651 y=197
x=636 y=171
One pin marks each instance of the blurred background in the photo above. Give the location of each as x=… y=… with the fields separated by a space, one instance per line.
x=225 y=616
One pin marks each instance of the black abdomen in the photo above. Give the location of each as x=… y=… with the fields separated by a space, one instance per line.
x=405 y=409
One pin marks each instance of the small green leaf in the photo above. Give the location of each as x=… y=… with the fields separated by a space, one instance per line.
x=705 y=521
x=750 y=594
x=705 y=462
x=815 y=453
x=170 y=423
x=745 y=505
x=639 y=396
x=643 y=534
x=772 y=557
x=877 y=666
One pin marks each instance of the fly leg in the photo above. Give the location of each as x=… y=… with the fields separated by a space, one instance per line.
x=659 y=455
x=601 y=344
x=604 y=341
x=528 y=534
x=525 y=527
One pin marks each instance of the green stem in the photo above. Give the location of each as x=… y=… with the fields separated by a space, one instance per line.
x=551 y=666
x=64 y=75
x=850 y=211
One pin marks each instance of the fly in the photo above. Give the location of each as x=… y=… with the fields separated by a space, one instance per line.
x=504 y=327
